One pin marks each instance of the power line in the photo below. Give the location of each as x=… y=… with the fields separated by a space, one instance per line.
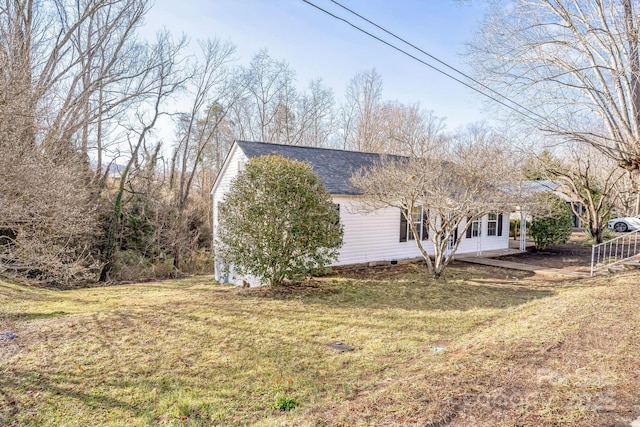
x=437 y=59
x=539 y=119
x=346 y=21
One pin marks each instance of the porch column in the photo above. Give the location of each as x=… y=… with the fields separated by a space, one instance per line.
x=523 y=230
x=479 y=239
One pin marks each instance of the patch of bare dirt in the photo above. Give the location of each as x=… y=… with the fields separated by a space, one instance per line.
x=310 y=288
x=574 y=255
x=455 y=270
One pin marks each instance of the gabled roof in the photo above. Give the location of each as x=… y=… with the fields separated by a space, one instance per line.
x=333 y=167
x=539 y=185
x=544 y=185
x=530 y=187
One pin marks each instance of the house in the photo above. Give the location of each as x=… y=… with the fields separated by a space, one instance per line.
x=368 y=237
x=543 y=186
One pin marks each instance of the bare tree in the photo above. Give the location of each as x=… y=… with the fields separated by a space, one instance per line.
x=211 y=97
x=16 y=101
x=48 y=213
x=412 y=131
x=627 y=196
x=69 y=71
x=109 y=56
x=268 y=110
x=589 y=181
x=71 y=66
x=576 y=63
x=160 y=78
x=461 y=182
x=362 y=124
x=49 y=217
x=317 y=118
x=370 y=124
x=274 y=110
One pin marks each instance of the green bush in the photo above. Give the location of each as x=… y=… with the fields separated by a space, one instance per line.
x=285 y=404
x=552 y=222
x=277 y=222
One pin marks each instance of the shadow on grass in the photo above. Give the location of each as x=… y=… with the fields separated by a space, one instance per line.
x=25 y=389
x=25 y=316
x=410 y=288
x=10 y=291
x=102 y=363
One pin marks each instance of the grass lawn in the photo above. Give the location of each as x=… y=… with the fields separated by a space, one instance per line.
x=518 y=350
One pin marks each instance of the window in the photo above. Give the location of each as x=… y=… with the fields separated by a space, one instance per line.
x=421 y=221
x=494 y=225
x=475 y=229
x=416 y=219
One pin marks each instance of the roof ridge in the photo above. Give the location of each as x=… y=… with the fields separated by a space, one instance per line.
x=318 y=148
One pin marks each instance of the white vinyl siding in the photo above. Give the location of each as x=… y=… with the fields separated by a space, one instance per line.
x=231 y=167
x=370 y=237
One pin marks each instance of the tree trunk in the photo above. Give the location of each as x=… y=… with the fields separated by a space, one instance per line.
x=597 y=234
x=634 y=59
x=114 y=224
x=176 y=258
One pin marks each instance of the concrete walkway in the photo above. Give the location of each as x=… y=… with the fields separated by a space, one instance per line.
x=485 y=259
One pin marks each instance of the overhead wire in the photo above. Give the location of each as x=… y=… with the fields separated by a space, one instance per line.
x=437 y=59
x=515 y=107
x=404 y=52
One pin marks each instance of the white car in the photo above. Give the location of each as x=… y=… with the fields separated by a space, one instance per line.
x=621 y=225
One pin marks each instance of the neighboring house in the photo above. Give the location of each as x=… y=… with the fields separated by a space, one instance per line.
x=543 y=185
x=368 y=237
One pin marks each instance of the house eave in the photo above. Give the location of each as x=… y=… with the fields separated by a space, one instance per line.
x=225 y=166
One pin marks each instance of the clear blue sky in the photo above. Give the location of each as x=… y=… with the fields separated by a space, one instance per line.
x=318 y=46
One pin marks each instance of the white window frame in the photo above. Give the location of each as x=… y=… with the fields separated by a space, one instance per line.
x=493 y=221
x=417 y=222
x=476 y=227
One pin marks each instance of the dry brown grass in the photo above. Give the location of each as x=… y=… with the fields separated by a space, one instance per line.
x=519 y=351
x=571 y=359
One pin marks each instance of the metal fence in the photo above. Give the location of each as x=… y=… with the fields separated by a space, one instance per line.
x=615 y=251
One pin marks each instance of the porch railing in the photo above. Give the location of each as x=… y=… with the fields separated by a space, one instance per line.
x=615 y=251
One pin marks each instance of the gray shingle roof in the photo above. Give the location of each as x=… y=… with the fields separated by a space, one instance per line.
x=540 y=185
x=333 y=167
